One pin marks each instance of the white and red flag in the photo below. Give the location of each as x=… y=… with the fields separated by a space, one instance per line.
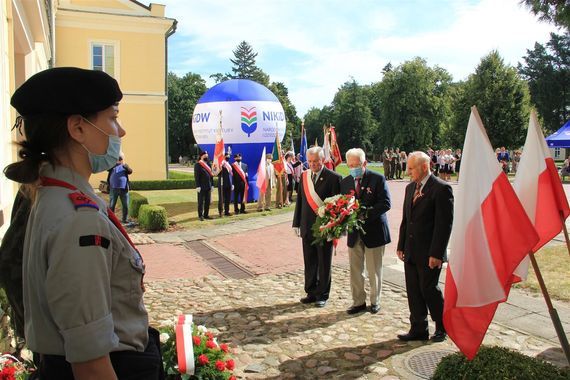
x=335 y=150
x=491 y=235
x=328 y=162
x=219 y=153
x=540 y=190
x=261 y=175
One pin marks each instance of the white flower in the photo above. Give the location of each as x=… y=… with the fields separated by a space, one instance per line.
x=202 y=328
x=321 y=211
x=164 y=338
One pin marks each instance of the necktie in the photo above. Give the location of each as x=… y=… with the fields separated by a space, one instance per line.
x=357 y=187
x=313 y=178
x=417 y=193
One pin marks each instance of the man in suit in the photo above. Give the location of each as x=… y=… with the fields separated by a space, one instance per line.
x=240 y=182
x=386 y=157
x=424 y=234
x=225 y=187
x=316 y=184
x=204 y=183
x=371 y=190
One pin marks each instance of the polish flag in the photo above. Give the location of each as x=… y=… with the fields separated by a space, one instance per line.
x=261 y=175
x=219 y=148
x=328 y=162
x=491 y=235
x=540 y=190
x=335 y=150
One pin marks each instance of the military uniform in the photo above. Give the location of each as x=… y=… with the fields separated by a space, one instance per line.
x=83 y=293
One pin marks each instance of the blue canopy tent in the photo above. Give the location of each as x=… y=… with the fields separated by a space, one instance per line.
x=560 y=138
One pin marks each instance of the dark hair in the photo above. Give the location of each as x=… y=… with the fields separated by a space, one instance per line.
x=45 y=135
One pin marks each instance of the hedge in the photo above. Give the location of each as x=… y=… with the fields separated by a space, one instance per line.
x=153 y=218
x=497 y=363
x=136 y=201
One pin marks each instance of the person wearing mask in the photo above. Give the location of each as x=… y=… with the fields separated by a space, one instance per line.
x=204 y=178
x=241 y=186
x=225 y=187
x=118 y=180
x=82 y=276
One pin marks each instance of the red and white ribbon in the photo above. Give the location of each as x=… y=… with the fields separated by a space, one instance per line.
x=184 y=344
x=309 y=191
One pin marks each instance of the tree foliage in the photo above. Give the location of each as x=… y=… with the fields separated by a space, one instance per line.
x=502 y=99
x=547 y=70
x=183 y=94
x=557 y=11
x=315 y=120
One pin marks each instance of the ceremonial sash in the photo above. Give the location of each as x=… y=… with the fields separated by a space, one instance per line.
x=313 y=198
x=206 y=168
x=184 y=344
x=242 y=176
x=228 y=167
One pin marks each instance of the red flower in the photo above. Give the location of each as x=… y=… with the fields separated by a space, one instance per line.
x=196 y=340
x=210 y=335
x=210 y=344
x=220 y=366
x=232 y=377
x=224 y=347
x=230 y=364
x=203 y=359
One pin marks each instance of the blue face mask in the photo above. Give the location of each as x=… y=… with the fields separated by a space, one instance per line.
x=101 y=162
x=356 y=172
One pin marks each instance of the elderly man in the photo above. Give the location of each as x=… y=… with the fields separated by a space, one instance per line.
x=424 y=234
x=316 y=184
x=371 y=190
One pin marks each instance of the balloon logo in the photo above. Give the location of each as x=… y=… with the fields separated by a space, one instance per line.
x=248 y=120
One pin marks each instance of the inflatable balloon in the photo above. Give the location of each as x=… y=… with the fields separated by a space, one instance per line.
x=251 y=117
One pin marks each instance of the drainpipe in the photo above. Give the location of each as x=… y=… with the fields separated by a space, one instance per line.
x=169 y=33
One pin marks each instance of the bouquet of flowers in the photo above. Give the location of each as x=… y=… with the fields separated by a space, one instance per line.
x=14 y=369
x=211 y=360
x=339 y=214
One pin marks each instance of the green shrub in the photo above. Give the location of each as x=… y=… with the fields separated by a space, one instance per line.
x=497 y=363
x=136 y=200
x=153 y=218
x=167 y=184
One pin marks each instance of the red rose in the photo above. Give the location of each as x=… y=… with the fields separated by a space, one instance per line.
x=232 y=377
x=210 y=344
x=210 y=335
x=220 y=366
x=230 y=364
x=224 y=347
x=203 y=359
x=196 y=340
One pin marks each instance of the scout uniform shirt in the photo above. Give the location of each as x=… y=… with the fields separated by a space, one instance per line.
x=82 y=278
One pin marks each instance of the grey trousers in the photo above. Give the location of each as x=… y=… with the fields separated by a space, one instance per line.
x=360 y=256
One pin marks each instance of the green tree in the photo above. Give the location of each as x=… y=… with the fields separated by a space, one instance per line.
x=557 y=11
x=293 y=121
x=244 y=66
x=412 y=105
x=502 y=99
x=315 y=119
x=183 y=94
x=547 y=71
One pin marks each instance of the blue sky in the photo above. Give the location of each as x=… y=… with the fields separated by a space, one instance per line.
x=314 y=46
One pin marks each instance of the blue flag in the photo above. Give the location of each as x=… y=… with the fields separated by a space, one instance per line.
x=303 y=149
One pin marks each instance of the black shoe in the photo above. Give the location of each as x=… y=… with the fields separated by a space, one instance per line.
x=374 y=309
x=243 y=212
x=208 y=217
x=438 y=336
x=267 y=209
x=356 y=309
x=308 y=299
x=410 y=337
x=320 y=303
x=227 y=214
x=201 y=219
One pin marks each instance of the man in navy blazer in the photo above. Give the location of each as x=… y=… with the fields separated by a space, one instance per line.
x=424 y=234
x=367 y=247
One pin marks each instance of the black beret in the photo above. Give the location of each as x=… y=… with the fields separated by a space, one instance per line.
x=66 y=90
x=203 y=153
x=237 y=155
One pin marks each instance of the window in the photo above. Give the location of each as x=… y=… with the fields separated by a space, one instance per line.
x=103 y=58
x=556 y=152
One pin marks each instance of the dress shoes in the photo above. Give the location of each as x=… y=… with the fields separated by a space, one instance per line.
x=208 y=217
x=411 y=337
x=243 y=212
x=374 y=309
x=356 y=309
x=268 y=209
x=320 y=303
x=438 y=336
x=308 y=299
x=201 y=219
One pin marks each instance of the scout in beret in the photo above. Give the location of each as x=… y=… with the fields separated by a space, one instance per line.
x=84 y=312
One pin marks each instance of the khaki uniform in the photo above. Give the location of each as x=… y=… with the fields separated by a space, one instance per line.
x=83 y=294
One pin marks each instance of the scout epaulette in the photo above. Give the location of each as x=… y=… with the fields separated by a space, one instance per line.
x=81 y=200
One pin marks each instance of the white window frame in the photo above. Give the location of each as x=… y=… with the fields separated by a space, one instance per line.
x=116 y=52
x=556 y=152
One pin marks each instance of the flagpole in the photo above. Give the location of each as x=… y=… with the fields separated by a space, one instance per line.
x=553 y=313
x=565 y=235
x=221 y=182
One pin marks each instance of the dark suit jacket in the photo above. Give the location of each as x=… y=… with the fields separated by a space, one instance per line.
x=327 y=185
x=237 y=178
x=225 y=178
x=203 y=179
x=426 y=226
x=375 y=197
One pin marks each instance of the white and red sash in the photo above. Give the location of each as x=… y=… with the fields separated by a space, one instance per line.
x=228 y=167
x=206 y=168
x=313 y=198
x=184 y=344
x=240 y=172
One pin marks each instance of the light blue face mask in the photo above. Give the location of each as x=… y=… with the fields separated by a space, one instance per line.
x=101 y=162
x=356 y=172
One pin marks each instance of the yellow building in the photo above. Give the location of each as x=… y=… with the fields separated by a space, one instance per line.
x=124 y=38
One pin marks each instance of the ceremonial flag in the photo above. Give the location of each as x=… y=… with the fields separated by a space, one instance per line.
x=335 y=150
x=491 y=235
x=292 y=145
x=303 y=148
x=540 y=190
x=327 y=149
x=278 y=163
x=219 y=148
x=261 y=174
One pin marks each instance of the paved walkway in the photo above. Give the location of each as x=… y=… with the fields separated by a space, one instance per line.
x=274 y=336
